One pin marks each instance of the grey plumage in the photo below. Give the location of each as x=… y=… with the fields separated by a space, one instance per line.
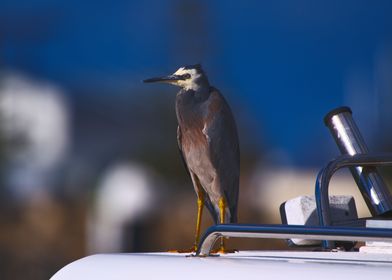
x=208 y=143
x=208 y=140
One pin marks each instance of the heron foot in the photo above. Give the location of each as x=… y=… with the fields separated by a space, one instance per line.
x=224 y=251
x=193 y=249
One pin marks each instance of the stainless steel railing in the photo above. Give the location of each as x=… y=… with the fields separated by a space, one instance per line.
x=289 y=231
x=325 y=175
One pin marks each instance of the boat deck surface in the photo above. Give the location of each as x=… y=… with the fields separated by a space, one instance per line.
x=248 y=264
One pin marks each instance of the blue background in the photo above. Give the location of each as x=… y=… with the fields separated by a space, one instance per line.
x=284 y=64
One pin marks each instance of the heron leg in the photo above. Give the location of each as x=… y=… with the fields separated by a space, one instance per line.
x=222 y=212
x=200 y=206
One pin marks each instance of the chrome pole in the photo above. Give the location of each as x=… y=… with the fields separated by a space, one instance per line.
x=350 y=141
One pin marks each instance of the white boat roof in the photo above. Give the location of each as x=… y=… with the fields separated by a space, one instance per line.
x=245 y=264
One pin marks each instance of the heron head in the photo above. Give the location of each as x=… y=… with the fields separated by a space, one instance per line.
x=189 y=77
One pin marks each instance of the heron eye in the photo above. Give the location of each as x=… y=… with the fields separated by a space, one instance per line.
x=187 y=76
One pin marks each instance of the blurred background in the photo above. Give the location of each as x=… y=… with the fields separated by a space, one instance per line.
x=88 y=154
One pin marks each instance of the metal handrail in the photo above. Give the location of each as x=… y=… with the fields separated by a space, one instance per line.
x=325 y=175
x=288 y=232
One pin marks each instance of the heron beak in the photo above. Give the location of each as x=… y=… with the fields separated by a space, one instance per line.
x=167 y=79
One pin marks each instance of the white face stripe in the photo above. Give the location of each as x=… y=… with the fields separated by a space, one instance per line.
x=188 y=83
x=180 y=71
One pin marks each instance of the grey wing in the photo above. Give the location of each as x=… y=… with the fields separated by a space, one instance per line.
x=207 y=200
x=225 y=153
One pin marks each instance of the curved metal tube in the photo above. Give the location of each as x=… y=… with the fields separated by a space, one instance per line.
x=325 y=175
x=289 y=231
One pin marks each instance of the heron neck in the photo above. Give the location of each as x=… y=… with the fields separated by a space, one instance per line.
x=198 y=94
x=189 y=104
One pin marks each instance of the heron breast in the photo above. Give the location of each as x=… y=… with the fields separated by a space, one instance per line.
x=194 y=142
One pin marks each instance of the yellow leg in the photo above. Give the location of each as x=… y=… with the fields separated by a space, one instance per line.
x=222 y=212
x=200 y=205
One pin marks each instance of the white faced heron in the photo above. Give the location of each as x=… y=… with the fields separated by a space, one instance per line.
x=208 y=143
